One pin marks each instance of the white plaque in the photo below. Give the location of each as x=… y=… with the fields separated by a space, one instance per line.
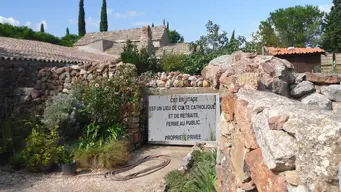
x=183 y=118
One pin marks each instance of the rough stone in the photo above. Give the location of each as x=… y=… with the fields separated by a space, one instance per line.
x=277 y=122
x=318 y=100
x=332 y=92
x=323 y=78
x=299 y=77
x=292 y=178
x=59 y=71
x=212 y=74
x=160 y=83
x=205 y=83
x=303 y=88
x=262 y=176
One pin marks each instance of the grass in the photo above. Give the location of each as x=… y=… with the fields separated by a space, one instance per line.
x=201 y=177
x=111 y=155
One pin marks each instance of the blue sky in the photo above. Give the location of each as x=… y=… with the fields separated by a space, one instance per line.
x=186 y=16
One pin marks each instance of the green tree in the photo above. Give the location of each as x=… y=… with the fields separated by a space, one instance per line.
x=42 y=28
x=298 y=26
x=152 y=24
x=67 y=31
x=104 y=17
x=167 y=25
x=81 y=19
x=332 y=29
x=175 y=37
x=69 y=40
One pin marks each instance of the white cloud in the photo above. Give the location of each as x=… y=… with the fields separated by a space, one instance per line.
x=37 y=28
x=326 y=8
x=129 y=14
x=9 y=20
x=91 y=22
x=28 y=24
x=142 y=23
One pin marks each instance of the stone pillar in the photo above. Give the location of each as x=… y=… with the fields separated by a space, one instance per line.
x=146 y=39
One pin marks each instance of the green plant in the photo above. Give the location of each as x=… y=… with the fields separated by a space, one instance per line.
x=111 y=155
x=65 y=156
x=176 y=181
x=42 y=148
x=115 y=132
x=90 y=136
x=173 y=62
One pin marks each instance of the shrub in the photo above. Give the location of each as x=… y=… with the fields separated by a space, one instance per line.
x=176 y=181
x=42 y=149
x=111 y=155
x=173 y=62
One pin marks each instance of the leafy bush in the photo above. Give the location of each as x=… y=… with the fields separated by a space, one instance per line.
x=65 y=156
x=42 y=149
x=173 y=62
x=110 y=155
x=110 y=101
x=69 y=40
x=143 y=61
x=201 y=177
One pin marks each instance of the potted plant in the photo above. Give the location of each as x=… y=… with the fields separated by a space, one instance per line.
x=67 y=162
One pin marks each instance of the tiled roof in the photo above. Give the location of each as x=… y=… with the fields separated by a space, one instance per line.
x=287 y=51
x=120 y=35
x=18 y=49
x=177 y=48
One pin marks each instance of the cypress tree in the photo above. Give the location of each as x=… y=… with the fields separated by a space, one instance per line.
x=152 y=24
x=42 y=28
x=232 y=36
x=67 y=31
x=332 y=28
x=104 y=17
x=167 y=25
x=81 y=19
x=164 y=22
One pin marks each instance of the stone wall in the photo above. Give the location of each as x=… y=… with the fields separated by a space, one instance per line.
x=176 y=79
x=277 y=130
x=15 y=74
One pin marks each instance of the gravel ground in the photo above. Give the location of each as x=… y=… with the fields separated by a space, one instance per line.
x=24 y=181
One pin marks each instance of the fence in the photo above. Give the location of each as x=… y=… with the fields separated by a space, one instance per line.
x=327 y=63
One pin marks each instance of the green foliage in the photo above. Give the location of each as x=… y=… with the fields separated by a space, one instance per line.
x=81 y=19
x=42 y=28
x=298 y=26
x=111 y=155
x=65 y=156
x=23 y=32
x=42 y=148
x=104 y=17
x=173 y=62
x=67 y=31
x=143 y=61
x=200 y=178
x=6 y=136
x=332 y=29
x=69 y=40
x=174 y=36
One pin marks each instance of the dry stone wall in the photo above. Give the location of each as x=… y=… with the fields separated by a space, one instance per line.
x=277 y=130
x=15 y=74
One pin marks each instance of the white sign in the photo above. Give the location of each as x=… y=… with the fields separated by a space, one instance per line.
x=183 y=118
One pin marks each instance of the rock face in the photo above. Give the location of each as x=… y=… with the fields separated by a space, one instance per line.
x=318 y=100
x=249 y=70
x=302 y=89
x=281 y=144
x=323 y=78
x=332 y=92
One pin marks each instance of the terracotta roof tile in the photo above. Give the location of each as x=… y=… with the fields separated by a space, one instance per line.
x=15 y=49
x=120 y=35
x=287 y=51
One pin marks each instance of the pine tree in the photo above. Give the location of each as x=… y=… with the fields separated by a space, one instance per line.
x=67 y=31
x=81 y=19
x=332 y=28
x=232 y=36
x=42 y=28
x=167 y=25
x=104 y=17
x=152 y=24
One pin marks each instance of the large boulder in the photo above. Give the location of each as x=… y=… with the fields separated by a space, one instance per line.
x=332 y=92
x=269 y=72
x=317 y=100
x=278 y=143
x=323 y=78
x=302 y=89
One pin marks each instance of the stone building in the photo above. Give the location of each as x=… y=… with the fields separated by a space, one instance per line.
x=21 y=60
x=113 y=42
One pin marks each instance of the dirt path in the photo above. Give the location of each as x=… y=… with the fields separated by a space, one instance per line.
x=55 y=182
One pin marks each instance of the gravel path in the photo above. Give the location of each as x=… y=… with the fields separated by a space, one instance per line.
x=56 y=182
